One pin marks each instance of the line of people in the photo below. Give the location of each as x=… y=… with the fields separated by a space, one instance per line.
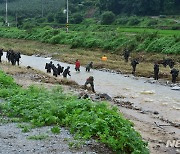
x=165 y=62
x=12 y=56
x=58 y=70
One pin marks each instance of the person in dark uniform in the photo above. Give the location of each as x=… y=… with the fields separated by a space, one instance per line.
x=171 y=63
x=49 y=67
x=90 y=81
x=134 y=62
x=62 y=69
x=168 y=61
x=12 y=57
x=174 y=73
x=89 y=66
x=66 y=72
x=126 y=54
x=1 y=54
x=55 y=71
x=156 y=71
x=58 y=69
x=17 y=57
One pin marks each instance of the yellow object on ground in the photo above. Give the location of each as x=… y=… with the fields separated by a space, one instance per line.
x=104 y=58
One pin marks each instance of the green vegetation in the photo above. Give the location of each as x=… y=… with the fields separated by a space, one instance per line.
x=120 y=12
x=140 y=7
x=76 y=144
x=55 y=130
x=83 y=117
x=138 y=30
x=38 y=137
x=25 y=127
x=104 y=37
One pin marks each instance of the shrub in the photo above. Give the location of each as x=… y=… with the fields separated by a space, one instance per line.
x=77 y=18
x=50 y=17
x=122 y=21
x=107 y=18
x=60 y=17
x=157 y=45
x=152 y=22
x=133 y=21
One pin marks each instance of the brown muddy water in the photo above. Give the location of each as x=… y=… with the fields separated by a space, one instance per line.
x=148 y=96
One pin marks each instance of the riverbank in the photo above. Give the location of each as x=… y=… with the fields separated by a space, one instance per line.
x=51 y=106
x=156 y=136
x=115 y=62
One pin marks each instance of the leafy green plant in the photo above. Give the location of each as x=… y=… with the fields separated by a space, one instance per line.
x=55 y=130
x=25 y=127
x=108 y=17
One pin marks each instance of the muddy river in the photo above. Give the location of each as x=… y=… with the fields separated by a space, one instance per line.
x=151 y=97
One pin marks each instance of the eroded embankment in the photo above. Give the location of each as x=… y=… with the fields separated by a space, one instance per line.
x=37 y=105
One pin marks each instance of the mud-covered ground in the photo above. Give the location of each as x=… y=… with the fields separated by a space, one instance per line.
x=12 y=140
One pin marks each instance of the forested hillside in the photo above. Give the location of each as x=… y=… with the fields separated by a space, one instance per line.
x=141 y=7
x=117 y=19
x=31 y=8
x=87 y=8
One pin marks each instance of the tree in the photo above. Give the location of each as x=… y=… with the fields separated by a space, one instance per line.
x=77 y=18
x=60 y=17
x=50 y=17
x=108 y=17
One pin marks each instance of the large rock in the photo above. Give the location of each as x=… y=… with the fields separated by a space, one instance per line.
x=105 y=96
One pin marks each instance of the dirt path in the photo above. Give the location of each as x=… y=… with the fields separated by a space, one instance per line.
x=144 y=123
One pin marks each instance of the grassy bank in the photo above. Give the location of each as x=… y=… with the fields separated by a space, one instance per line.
x=84 y=118
x=136 y=39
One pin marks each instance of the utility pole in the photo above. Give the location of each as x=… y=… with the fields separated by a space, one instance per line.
x=6 y=13
x=67 y=22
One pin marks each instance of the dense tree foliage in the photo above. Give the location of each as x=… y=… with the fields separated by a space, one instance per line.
x=129 y=7
x=107 y=18
x=32 y=8
x=140 y=7
x=53 y=11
